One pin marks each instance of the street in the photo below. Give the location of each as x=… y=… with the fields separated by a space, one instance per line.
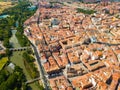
x=42 y=74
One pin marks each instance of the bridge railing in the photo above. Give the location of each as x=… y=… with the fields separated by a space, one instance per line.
x=20 y=48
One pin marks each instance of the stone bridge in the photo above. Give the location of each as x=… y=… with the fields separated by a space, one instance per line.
x=19 y=49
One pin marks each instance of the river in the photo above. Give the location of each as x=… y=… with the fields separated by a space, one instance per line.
x=3 y=16
x=13 y=40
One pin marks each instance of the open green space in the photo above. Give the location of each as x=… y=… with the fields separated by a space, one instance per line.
x=36 y=86
x=29 y=64
x=3 y=61
x=12 y=80
x=17 y=59
x=80 y=10
x=18 y=13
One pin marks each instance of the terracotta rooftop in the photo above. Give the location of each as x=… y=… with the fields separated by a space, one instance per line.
x=72 y=43
x=60 y=83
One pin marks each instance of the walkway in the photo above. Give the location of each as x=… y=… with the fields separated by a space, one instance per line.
x=31 y=81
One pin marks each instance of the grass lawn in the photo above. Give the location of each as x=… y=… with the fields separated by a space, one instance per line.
x=3 y=61
x=18 y=60
x=35 y=86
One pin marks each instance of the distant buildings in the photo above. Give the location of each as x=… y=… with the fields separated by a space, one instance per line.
x=89 y=1
x=93 y=1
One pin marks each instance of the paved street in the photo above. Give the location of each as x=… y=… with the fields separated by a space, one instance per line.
x=42 y=74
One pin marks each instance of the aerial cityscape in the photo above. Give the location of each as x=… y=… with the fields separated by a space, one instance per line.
x=59 y=45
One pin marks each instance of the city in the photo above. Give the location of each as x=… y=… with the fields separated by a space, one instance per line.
x=77 y=50
x=65 y=45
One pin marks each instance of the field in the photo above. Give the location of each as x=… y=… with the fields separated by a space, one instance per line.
x=5 y=5
x=18 y=60
x=3 y=61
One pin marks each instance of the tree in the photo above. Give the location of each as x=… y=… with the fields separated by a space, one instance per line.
x=11 y=81
x=28 y=58
x=8 y=52
x=3 y=76
x=24 y=86
x=6 y=42
x=3 y=86
x=29 y=51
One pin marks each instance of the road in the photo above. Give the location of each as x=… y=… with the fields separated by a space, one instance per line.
x=42 y=73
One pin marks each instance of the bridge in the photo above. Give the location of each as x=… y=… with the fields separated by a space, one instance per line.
x=19 y=49
x=31 y=81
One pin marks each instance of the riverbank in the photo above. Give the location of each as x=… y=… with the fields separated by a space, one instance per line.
x=15 y=38
x=17 y=59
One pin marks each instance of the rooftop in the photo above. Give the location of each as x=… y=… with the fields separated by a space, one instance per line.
x=80 y=50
